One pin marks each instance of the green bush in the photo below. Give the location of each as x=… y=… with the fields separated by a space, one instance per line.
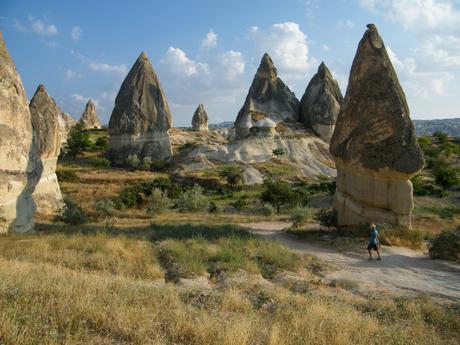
x=159 y=165
x=133 y=161
x=67 y=176
x=450 y=148
x=300 y=216
x=326 y=217
x=278 y=151
x=421 y=187
x=233 y=174
x=267 y=210
x=214 y=208
x=446 y=245
x=100 y=162
x=240 y=202
x=446 y=177
x=71 y=214
x=101 y=143
x=277 y=193
x=147 y=163
x=158 y=202
x=106 y=209
x=78 y=141
x=441 y=136
x=192 y=199
x=427 y=146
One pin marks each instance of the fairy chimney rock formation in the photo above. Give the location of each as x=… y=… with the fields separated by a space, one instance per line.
x=321 y=102
x=45 y=122
x=200 y=119
x=268 y=97
x=374 y=143
x=66 y=122
x=141 y=117
x=89 y=118
x=17 y=151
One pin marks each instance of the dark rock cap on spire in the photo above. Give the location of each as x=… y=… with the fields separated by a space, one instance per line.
x=374 y=129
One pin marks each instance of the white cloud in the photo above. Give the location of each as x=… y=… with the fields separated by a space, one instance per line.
x=75 y=33
x=347 y=24
x=80 y=99
x=69 y=75
x=420 y=84
x=233 y=64
x=108 y=69
x=42 y=28
x=417 y=15
x=441 y=49
x=179 y=64
x=325 y=47
x=210 y=40
x=287 y=45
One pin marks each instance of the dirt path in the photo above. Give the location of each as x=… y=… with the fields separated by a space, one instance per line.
x=401 y=270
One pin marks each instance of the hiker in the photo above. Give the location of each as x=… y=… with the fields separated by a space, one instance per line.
x=374 y=242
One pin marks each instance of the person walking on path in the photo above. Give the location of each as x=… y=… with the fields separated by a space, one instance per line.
x=374 y=242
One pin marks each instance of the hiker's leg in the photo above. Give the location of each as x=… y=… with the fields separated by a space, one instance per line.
x=370 y=253
x=378 y=252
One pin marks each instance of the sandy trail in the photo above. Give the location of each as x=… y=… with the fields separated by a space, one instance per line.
x=402 y=270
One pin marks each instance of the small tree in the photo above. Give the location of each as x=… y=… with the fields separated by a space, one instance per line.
x=277 y=193
x=278 y=151
x=441 y=136
x=71 y=214
x=101 y=143
x=192 y=200
x=326 y=217
x=158 y=202
x=133 y=161
x=300 y=216
x=146 y=163
x=78 y=141
x=233 y=174
x=450 y=148
x=240 y=202
x=446 y=177
x=106 y=209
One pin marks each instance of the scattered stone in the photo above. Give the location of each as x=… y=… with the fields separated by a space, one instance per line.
x=141 y=117
x=200 y=119
x=268 y=97
x=321 y=102
x=45 y=122
x=89 y=119
x=374 y=142
x=18 y=154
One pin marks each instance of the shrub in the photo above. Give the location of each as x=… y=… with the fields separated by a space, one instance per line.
x=67 y=176
x=214 y=208
x=421 y=187
x=446 y=245
x=446 y=177
x=427 y=146
x=101 y=143
x=441 y=136
x=240 y=202
x=159 y=165
x=278 y=151
x=300 y=216
x=326 y=217
x=400 y=236
x=71 y=214
x=158 y=202
x=277 y=193
x=233 y=174
x=100 y=162
x=192 y=200
x=146 y=163
x=78 y=141
x=106 y=209
x=450 y=148
x=133 y=161
x=267 y=210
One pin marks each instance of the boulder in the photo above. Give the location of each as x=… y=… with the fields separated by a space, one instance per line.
x=18 y=155
x=268 y=97
x=141 y=118
x=321 y=102
x=200 y=119
x=45 y=122
x=66 y=122
x=89 y=119
x=374 y=143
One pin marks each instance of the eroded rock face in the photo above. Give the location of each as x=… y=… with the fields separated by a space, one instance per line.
x=18 y=154
x=200 y=119
x=268 y=97
x=321 y=102
x=66 y=122
x=374 y=143
x=45 y=121
x=141 y=118
x=89 y=119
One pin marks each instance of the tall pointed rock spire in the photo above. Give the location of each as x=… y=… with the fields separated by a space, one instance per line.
x=200 y=119
x=90 y=119
x=374 y=142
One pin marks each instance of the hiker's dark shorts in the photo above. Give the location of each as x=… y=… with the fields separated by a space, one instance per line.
x=372 y=246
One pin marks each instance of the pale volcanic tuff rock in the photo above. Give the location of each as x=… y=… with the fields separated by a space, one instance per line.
x=18 y=156
x=89 y=118
x=374 y=143
x=268 y=97
x=321 y=102
x=45 y=122
x=66 y=122
x=141 y=118
x=200 y=119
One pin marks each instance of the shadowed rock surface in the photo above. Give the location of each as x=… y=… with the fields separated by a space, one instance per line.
x=66 y=122
x=18 y=154
x=141 y=118
x=89 y=119
x=374 y=143
x=321 y=102
x=268 y=97
x=200 y=119
x=45 y=122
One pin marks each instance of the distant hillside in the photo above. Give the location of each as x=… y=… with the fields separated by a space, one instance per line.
x=449 y=126
x=225 y=124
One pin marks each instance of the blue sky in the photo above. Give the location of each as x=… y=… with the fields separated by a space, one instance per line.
x=208 y=51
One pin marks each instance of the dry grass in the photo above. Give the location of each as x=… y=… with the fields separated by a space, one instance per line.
x=61 y=288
